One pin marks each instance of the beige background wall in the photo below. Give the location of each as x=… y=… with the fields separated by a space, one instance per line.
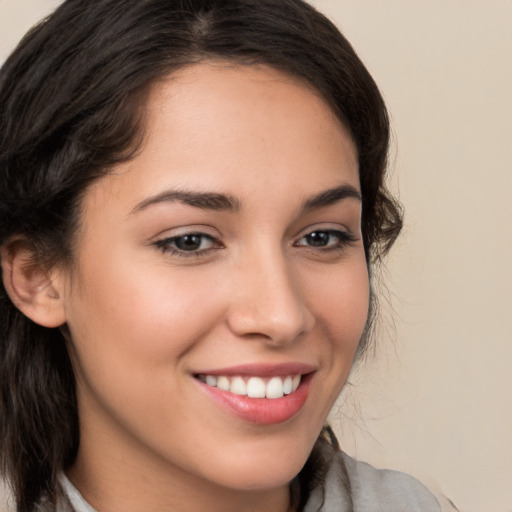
x=436 y=401
x=440 y=405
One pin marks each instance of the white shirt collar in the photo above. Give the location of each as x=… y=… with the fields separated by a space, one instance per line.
x=74 y=496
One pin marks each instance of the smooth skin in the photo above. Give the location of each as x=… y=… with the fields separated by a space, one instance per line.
x=161 y=288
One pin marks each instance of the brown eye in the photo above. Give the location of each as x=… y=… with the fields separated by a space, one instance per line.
x=189 y=243
x=318 y=238
x=326 y=239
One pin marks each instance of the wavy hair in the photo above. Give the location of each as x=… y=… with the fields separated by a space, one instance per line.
x=71 y=106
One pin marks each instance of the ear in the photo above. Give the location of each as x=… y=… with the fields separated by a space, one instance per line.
x=32 y=288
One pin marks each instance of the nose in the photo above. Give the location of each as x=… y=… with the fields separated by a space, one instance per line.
x=267 y=301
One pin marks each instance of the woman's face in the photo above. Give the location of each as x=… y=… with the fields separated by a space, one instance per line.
x=224 y=259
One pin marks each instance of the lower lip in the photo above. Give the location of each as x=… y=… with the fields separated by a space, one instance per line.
x=262 y=411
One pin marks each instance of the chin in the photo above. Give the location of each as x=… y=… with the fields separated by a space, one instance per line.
x=262 y=469
x=270 y=477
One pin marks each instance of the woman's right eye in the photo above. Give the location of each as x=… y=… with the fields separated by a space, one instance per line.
x=189 y=244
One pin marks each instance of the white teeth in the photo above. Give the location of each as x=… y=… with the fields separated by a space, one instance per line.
x=223 y=383
x=254 y=387
x=211 y=380
x=238 y=386
x=274 y=388
x=295 y=382
x=287 y=385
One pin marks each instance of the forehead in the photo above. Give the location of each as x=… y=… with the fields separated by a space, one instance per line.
x=240 y=130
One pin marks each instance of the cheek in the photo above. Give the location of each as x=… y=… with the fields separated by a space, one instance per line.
x=342 y=302
x=341 y=308
x=128 y=321
x=132 y=332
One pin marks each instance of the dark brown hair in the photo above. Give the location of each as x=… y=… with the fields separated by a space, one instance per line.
x=70 y=108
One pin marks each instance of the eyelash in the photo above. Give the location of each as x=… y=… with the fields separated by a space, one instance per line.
x=167 y=245
x=343 y=239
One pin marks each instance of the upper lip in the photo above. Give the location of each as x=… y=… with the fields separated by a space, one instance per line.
x=262 y=370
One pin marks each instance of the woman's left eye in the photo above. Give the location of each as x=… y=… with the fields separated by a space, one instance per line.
x=326 y=239
x=186 y=245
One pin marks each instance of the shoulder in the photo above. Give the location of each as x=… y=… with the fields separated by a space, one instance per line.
x=353 y=486
x=391 y=490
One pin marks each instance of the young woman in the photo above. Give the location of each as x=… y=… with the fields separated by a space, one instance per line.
x=192 y=202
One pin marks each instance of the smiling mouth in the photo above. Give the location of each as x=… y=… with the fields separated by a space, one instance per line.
x=252 y=386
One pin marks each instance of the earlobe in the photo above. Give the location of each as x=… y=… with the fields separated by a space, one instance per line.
x=31 y=287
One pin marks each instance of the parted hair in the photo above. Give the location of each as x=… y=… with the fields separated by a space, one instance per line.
x=71 y=107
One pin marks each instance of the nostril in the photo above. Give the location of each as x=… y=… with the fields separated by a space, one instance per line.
x=272 y=329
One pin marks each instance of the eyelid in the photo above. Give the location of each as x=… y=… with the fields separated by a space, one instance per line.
x=165 y=242
x=345 y=237
x=183 y=230
x=173 y=238
x=329 y=226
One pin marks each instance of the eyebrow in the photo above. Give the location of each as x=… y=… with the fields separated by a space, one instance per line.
x=331 y=196
x=203 y=200
x=223 y=202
